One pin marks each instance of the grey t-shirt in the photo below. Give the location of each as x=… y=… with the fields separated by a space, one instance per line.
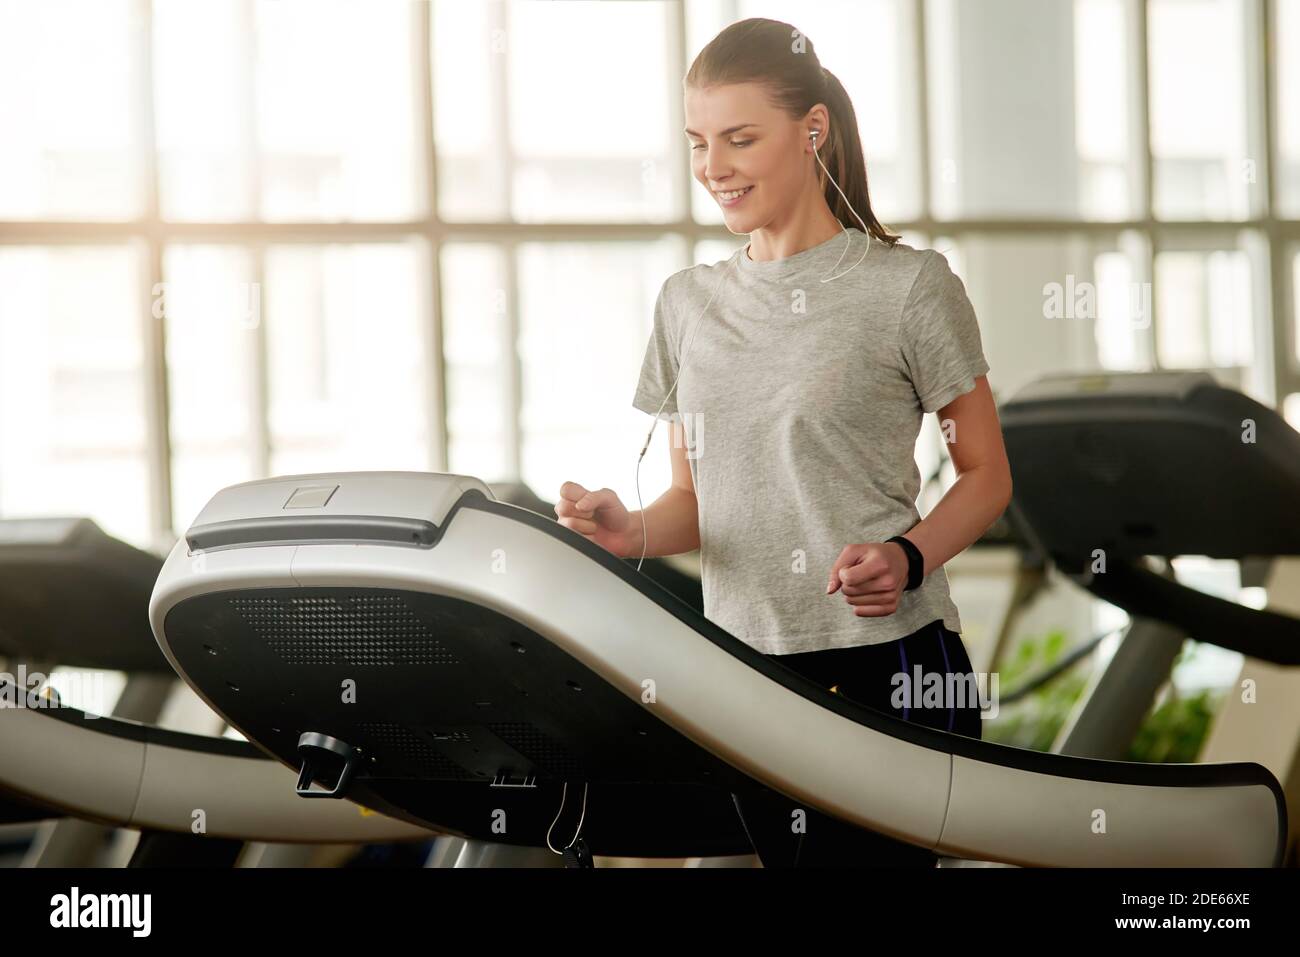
x=801 y=402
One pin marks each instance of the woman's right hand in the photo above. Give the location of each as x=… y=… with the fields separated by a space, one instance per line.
x=599 y=516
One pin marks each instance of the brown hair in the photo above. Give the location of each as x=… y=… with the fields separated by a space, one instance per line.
x=782 y=59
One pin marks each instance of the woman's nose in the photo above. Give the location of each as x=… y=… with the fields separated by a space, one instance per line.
x=715 y=171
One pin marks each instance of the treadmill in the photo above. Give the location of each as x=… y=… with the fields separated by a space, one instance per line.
x=1112 y=470
x=1159 y=464
x=409 y=642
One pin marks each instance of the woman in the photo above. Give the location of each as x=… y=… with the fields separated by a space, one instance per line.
x=795 y=375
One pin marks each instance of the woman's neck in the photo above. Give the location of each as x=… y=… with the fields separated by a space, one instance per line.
x=775 y=241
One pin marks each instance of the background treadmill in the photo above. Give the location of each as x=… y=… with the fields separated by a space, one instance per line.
x=1135 y=467
x=72 y=595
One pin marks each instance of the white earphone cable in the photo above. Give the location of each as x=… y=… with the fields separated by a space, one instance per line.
x=640 y=507
x=582 y=817
x=813 y=135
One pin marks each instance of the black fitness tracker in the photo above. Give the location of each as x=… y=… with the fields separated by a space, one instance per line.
x=915 y=562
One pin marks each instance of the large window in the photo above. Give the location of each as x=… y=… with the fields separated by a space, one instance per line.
x=73 y=437
x=287 y=111
x=1205 y=166
x=1285 y=41
x=73 y=116
x=251 y=237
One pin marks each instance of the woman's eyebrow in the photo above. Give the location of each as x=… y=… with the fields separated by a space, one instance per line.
x=726 y=132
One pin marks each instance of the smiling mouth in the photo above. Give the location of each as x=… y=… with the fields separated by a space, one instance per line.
x=732 y=194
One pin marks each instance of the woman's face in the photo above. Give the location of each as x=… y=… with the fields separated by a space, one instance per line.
x=739 y=142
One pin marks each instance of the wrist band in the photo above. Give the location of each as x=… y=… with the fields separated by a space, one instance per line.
x=915 y=562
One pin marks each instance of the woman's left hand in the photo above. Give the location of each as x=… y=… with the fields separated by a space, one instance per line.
x=871 y=576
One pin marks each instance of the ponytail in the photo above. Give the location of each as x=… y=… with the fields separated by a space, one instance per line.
x=844 y=158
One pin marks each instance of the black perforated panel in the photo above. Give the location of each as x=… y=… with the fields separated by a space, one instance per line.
x=399 y=753
x=359 y=630
x=541 y=749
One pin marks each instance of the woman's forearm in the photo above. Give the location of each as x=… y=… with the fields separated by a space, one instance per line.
x=965 y=512
x=672 y=524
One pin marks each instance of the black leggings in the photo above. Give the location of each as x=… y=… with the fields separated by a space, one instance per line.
x=866 y=675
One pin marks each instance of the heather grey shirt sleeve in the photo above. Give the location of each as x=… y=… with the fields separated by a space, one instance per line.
x=659 y=366
x=939 y=336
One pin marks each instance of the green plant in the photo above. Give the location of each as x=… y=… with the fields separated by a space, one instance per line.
x=1176 y=728
x=1173 y=731
x=1035 y=721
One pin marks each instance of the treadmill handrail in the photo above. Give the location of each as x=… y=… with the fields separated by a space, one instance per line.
x=1062 y=765
x=139 y=731
x=316 y=529
x=1059 y=765
x=156 y=777
x=1256 y=632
